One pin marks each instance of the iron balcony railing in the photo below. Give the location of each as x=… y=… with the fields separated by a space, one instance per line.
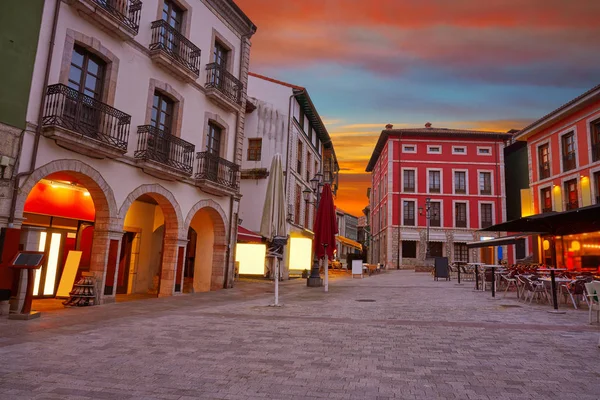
x=175 y=45
x=544 y=170
x=435 y=222
x=486 y=191
x=572 y=205
x=77 y=112
x=127 y=12
x=162 y=147
x=218 y=170
x=569 y=162
x=434 y=189
x=596 y=152
x=219 y=78
x=460 y=190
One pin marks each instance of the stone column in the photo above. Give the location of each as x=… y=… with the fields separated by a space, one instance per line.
x=180 y=265
x=30 y=239
x=99 y=261
x=169 y=265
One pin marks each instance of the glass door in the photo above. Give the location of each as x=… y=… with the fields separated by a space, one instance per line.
x=46 y=278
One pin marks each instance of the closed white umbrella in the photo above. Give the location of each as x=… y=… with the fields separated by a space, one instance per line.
x=273 y=225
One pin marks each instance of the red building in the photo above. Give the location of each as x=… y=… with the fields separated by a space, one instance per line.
x=564 y=173
x=461 y=172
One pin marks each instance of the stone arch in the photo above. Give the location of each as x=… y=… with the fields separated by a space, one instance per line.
x=173 y=230
x=219 y=247
x=101 y=193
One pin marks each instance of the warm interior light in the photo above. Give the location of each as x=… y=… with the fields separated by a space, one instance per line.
x=38 y=272
x=251 y=258
x=86 y=194
x=546 y=244
x=52 y=263
x=575 y=245
x=300 y=251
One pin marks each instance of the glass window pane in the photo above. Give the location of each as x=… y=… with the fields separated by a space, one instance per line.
x=75 y=75
x=77 y=58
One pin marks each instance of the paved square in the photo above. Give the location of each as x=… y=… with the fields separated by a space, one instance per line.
x=397 y=335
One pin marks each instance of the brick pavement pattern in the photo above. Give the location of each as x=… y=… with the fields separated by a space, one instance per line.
x=412 y=338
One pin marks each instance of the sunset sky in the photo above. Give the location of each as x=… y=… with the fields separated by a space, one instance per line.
x=493 y=65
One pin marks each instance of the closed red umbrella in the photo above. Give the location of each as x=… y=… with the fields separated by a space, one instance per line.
x=325 y=228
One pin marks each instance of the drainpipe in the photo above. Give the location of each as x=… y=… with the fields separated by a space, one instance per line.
x=38 y=130
x=232 y=198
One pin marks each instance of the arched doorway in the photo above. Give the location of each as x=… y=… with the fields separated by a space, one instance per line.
x=66 y=209
x=205 y=256
x=147 y=261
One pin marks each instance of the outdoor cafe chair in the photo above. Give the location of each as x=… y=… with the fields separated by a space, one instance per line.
x=593 y=294
x=510 y=280
x=575 y=289
x=534 y=289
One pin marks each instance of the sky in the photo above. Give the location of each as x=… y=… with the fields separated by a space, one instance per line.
x=472 y=64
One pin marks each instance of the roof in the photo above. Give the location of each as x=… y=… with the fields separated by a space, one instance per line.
x=429 y=132
x=266 y=78
x=561 y=112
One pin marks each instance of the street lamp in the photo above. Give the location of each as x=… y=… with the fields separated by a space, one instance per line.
x=316 y=183
x=428 y=218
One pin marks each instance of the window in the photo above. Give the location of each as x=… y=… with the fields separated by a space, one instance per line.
x=485 y=183
x=409 y=180
x=172 y=14
x=486 y=215
x=308 y=166
x=485 y=151
x=460 y=213
x=435 y=214
x=220 y=55
x=254 y=149
x=544 y=161
x=162 y=112
x=409 y=149
x=596 y=184
x=460 y=182
x=409 y=249
x=301 y=118
x=546 y=196
x=595 y=131
x=436 y=249
x=434 y=150
x=409 y=213
x=434 y=181
x=299 y=156
x=568 y=151
x=459 y=150
x=86 y=74
x=572 y=194
x=297 y=205
x=213 y=144
x=461 y=252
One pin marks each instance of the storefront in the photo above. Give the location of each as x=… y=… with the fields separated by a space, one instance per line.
x=580 y=252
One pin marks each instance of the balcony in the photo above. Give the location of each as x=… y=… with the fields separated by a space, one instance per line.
x=83 y=124
x=223 y=88
x=571 y=205
x=118 y=17
x=435 y=222
x=544 y=170
x=434 y=189
x=460 y=190
x=163 y=155
x=216 y=175
x=174 y=52
x=596 y=152
x=569 y=162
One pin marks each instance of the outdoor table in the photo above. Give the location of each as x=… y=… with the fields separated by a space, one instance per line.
x=553 y=279
x=493 y=268
x=458 y=265
x=559 y=280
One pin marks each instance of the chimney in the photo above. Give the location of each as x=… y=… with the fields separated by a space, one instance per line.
x=389 y=126
x=428 y=125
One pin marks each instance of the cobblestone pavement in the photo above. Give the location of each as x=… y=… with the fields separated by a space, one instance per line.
x=397 y=335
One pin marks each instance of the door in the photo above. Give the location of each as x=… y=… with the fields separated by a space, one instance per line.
x=219 y=57
x=436 y=249
x=159 y=142
x=86 y=77
x=125 y=262
x=46 y=278
x=171 y=38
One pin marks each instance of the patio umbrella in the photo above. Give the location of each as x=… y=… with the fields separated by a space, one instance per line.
x=325 y=229
x=273 y=225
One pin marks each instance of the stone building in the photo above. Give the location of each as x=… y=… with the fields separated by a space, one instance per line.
x=135 y=123
x=461 y=172
x=284 y=120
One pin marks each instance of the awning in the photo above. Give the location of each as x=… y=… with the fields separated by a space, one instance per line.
x=501 y=241
x=247 y=236
x=580 y=220
x=349 y=242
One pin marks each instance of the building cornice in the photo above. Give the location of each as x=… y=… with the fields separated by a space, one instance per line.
x=230 y=11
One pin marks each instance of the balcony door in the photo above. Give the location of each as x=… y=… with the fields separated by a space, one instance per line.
x=213 y=148
x=161 y=119
x=173 y=16
x=86 y=78
x=219 y=57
